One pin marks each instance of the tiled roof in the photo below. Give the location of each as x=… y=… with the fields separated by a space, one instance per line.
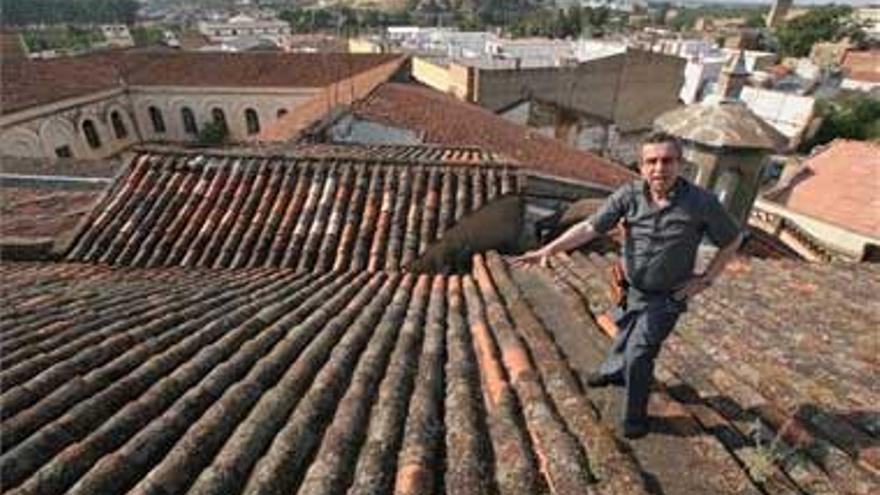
x=270 y=381
x=299 y=70
x=775 y=349
x=839 y=185
x=43 y=212
x=316 y=212
x=862 y=65
x=408 y=153
x=442 y=119
x=30 y=83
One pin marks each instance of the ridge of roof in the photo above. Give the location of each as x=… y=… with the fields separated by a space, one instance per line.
x=443 y=119
x=29 y=83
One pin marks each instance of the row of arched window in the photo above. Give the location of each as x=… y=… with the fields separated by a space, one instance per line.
x=187 y=116
x=251 y=119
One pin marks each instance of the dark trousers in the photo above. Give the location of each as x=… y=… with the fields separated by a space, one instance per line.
x=631 y=358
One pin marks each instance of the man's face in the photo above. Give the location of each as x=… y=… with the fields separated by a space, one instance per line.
x=659 y=166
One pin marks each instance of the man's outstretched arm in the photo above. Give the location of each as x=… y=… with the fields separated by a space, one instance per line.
x=577 y=235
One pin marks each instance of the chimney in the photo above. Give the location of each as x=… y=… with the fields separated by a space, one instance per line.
x=733 y=77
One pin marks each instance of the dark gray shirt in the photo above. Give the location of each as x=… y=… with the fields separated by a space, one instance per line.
x=661 y=244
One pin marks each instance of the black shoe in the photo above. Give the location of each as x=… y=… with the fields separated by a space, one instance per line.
x=633 y=430
x=598 y=380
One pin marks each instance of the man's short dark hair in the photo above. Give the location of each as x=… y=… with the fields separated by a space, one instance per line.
x=657 y=137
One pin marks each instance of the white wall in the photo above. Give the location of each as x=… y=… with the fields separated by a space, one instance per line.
x=170 y=101
x=37 y=132
x=62 y=125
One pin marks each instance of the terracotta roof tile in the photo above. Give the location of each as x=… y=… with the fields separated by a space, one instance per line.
x=747 y=352
x=326 y=377
x=298 y=70
x=839 y=185
x=442 y=119
x=303 y=211
x=43 y=212
x=224 y=381
x=862 y=65
x=192 y=380
x=30 y=83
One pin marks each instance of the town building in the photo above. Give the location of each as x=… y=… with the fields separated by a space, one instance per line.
x=827 y=207
x=94 y=106
x=861 y=70
x=116 y=35
x=603 y=104
x=869 y=18
x=243 y=30
x=791 y=114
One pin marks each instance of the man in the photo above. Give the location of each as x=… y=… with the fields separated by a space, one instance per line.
x=665 y=218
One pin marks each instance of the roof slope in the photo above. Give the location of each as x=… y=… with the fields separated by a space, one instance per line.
x=862 y=65
x=275 y=381
x=272 y=380
x=775 y=349
x=839 y=185
x=297 y=70
x=307 y=213
x=36 y=82
x=31 y=83
x=43 y=212
x=443 y=119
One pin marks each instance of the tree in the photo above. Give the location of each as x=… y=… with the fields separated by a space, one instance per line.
x=147 y=36
x=832 y=23
x=212 y=134
x=852 y=117
x=29 y=12
x=756 y=20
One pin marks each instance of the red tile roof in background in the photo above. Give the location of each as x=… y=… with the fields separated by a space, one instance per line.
x=442 y=119
x=862 y=65
x=297 y=70
x=840 y=185
x=43 y=212
x=11 y=46
x=31 y=83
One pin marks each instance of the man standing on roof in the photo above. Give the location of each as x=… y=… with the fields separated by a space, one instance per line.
x=665 y=218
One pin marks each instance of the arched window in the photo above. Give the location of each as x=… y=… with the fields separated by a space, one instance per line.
x=189 y=121
x=219 y=117
x=118 y=125
x=91 y=133
x=252 y=120
x=158 y=121
x=281 y=113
